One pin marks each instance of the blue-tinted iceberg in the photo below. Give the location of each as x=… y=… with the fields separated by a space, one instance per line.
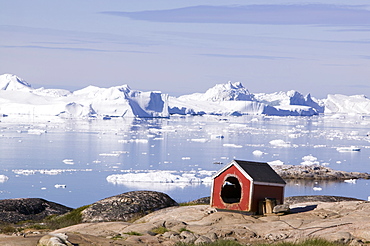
x=235 y=99
x=17 y=97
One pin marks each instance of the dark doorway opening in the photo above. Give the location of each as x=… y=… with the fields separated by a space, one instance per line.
x=231 y=191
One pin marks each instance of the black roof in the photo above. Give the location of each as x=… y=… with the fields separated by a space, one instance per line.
x=260 y=172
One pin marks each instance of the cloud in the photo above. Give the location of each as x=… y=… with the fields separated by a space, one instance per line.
x=74 y=37
x=308 y=14
x=248 y=56
x=70 y=49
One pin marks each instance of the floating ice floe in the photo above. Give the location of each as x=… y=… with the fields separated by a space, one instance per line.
x=163 y=177
x=232 y=145
x=3 y=178
x=348 y=149
x=350 y=181
x=58 y=186
x=110 y=154
x=68 y=161
x=36 y=131
x=280 y=143
x=51 y=172
x=155 y=177
x=276 y=162
x=258 y=153
x=133 y=141
x=200 y=140
x=309 y=160
x=47 y=172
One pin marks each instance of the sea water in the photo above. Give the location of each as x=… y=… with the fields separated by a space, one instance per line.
x=69 y=161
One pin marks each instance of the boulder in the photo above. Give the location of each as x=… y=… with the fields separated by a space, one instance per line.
x=203 y=200
x=127 y=206
x=302 y=199
x=315 y=172
x=21 y=209
x=283 y=208
x=58 y=239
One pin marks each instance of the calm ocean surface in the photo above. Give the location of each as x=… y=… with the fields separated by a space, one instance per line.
x=68 y=161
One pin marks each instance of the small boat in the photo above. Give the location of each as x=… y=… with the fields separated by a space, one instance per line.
x=348 y=149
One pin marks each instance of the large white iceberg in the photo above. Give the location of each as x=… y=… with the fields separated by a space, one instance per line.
x=235 y=99
x=341 y=104
x=17 y=97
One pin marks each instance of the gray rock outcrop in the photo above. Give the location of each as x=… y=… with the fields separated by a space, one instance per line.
x=331 y=218
x=21 y=209
x=203 y=200
x=127 y=206
x=316 y=172
x=302 y=199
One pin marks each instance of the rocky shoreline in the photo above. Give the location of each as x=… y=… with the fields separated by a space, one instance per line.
x=154 y=218
x=344 y=221
x=316 y=172
x=338 y=219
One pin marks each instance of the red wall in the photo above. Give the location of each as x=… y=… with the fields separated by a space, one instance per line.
x=260 y=192
x=217 y=201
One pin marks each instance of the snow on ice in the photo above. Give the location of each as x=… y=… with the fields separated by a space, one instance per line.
x=161 y=177
x=3 y=178
x=17 y=97
x=258 y=153
x=280 y=143
x=310 y=160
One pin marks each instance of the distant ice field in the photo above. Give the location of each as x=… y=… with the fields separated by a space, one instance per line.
x=77 y=162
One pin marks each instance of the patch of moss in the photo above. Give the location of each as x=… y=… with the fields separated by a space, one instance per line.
x=8 y=229
x=184 y=204
x=133 y=233
x=159 y=230
x=184 y=229
x=308 y=242
x=71 y=218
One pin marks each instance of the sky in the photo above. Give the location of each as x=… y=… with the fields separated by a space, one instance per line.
x=182 y=47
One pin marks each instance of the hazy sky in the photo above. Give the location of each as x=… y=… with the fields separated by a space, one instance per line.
x=181 y=47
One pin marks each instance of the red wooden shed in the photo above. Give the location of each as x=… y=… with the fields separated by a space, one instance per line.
x=242 y=185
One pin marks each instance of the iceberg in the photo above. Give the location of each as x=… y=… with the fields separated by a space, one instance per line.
x=235 y=100
x=341 y=104
x=17 y=97
x=3 y=178
x=153 y=177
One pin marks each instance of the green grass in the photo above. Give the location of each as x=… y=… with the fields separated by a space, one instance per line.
x=183 y=204
x=71 y=218
x=37 y=226
x=309 y=242
x=7 y=229
x=133 y=233
x=52 y=222
x=159 y=230
x=184 y=229
x=216 y=243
